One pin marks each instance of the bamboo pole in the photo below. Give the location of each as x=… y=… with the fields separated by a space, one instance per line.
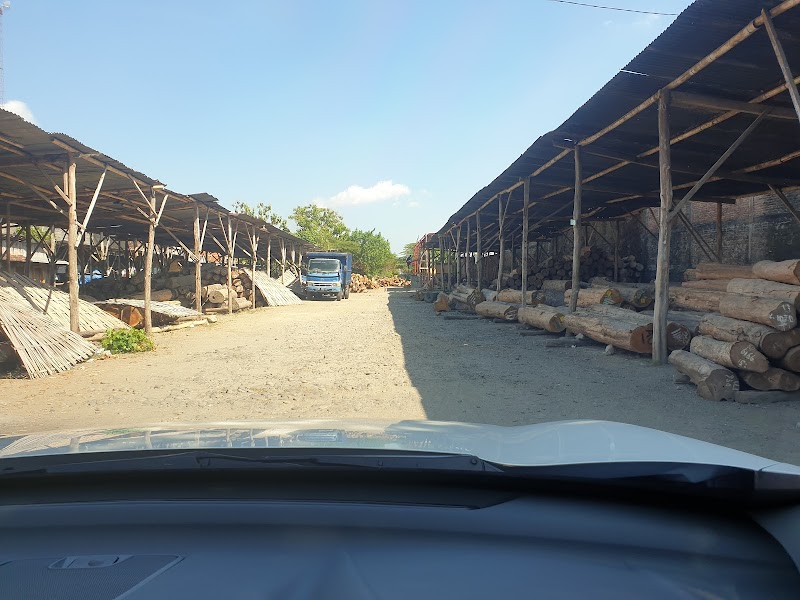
x=526 y=201
x=468 y=254
x=254 y=245
x=230 y=266
x=198 y=279
x=458 y=256
x=500 y=259
x=148 y=266
x=576 y=232
x=269 y=254
x=782 y=61
x=664 y=234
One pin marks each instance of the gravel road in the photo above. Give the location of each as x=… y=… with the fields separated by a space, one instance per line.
x=382 y=355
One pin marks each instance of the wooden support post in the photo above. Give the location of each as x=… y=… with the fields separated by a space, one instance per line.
x=616 y=250
x=458 y=257
x=576 y=230
x=148 y=263
x=468 y=254
x=719 y=231
x=526 y=197
x=229 y=262
x=501 y=257
x=198 y=279
x=479 y=255
x=269 y=255
x=72 y=242
x=441 y=263
x=782 y=61
x=283 y=258
x=253 y=258
x=28 y=249
x=8 y=237
x=664 y=233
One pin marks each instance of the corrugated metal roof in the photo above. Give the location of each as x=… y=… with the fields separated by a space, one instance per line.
x=743 y=73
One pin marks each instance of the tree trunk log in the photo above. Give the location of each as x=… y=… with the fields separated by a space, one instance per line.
x=498 y=310
x=699 y=300
x=442 y=303
x=591 y=296
x=712 y=270
x=713 y=381
x=764 y=287
x=767 y=311
x=709 y=285
x=219 y=295
x=736 y=355
x=557 y=285
x=490 y=295
x=771 y=342
x=772 y=379
x=786 y=271
x=678 y=336
x=157 y=295
x=553 y=298
x=688 y=318
x=623 y=334
x=543 y=317
x=791 y=360
x=515 y=297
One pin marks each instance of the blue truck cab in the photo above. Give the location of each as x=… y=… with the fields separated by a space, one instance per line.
x=327 y=274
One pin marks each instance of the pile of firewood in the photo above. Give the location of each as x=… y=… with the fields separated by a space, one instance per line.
x=360 y=283
x=748 y=336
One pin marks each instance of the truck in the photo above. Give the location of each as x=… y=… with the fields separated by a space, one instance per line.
x=327 y=274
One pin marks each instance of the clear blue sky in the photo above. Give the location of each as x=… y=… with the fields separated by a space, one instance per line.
x=295 y=102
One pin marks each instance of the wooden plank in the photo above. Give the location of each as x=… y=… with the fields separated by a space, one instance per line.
x=577 y=243
x=526 y=199
x=72 y=244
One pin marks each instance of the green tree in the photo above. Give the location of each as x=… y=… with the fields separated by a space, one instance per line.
x=323 y=227
x=262 y=211
x=409 y=249
x=373 y=255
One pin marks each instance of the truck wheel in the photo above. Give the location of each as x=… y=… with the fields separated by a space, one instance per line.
x=339 y=296
x=347 y=292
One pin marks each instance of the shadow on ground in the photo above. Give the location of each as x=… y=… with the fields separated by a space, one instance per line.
x=482 y=372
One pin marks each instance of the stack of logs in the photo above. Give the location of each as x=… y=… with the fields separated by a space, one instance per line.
x=360 y=283
x=748 y=336
x=595 y=262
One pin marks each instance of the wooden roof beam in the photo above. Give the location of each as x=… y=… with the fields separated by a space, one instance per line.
x=713 y=103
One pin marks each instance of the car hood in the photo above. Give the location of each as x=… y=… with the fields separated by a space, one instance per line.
x=555 y=443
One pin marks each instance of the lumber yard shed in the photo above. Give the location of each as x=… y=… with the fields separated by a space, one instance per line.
x=76 y=204
x=706 y=118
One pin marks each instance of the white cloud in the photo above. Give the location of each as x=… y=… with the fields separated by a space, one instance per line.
x=18 y=107
x=356 y=194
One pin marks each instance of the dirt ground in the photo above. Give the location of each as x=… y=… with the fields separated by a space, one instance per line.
x=382 y=355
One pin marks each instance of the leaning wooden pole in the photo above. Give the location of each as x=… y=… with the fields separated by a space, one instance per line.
x=576 y=229
x=782 y=60
x=72 y=243
x=148 y=264
x=526 y=198
x=198 y=280
x=664 y=233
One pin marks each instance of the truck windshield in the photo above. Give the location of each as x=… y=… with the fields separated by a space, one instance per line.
x=323 y=265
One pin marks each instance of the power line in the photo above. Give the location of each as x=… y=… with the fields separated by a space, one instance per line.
x=630 y=10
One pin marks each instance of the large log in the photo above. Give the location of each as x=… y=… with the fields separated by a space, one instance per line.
x=553 y=298
x=766 y=310
x=623 y=334
x=157 y=295
x=558 y=285
x=699 y=300
x=219 y=295
x=772 y=379
x=533 y=297
x=442 y=303
x=709 y=285
x=543 y=317
x=490 y=295
x=713 y=381
x=791 y=360
x=771 y=342
x=678 y=336
x=785 y=271
x=498 y=310
x=764 y=287
x=639 y=297
x=590 y=296
x=736 y=355
x=713 y=270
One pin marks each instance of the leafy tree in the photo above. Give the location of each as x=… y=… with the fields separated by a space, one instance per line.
x=409 y=249
x=261 y=211
x=323 y=227
x=373 y=255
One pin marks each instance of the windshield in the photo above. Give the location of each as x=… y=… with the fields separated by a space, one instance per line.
x=538 y=236
x=323 y=265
